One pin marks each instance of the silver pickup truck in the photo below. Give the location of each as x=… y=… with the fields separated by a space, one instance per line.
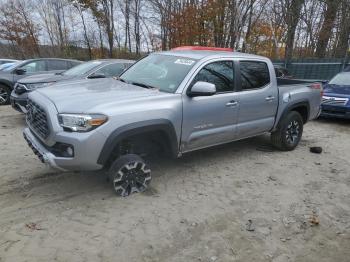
x=171 y=103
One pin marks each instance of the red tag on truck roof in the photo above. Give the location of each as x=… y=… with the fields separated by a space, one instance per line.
x=202 y=48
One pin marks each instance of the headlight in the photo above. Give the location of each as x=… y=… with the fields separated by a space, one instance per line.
x=81 y=123
x=38 y=85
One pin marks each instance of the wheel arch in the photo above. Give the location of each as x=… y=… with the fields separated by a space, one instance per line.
x=160 y=126
x=303 y=108
x=6 y=83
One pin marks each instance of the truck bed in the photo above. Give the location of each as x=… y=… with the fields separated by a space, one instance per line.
x=286 y=81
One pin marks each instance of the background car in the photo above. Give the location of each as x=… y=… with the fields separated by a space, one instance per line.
x=89 y=70
x=5 y=61
x=336 y=97
x=10 y=75
x=7 y=65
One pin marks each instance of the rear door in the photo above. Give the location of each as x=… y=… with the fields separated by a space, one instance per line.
x=210 y=120
x=258 y=98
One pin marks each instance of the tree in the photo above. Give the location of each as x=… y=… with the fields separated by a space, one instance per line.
x=326 y=29
x=103 y=12
x=342 y=46
x=81 y=11
x=137 y=9
x=18 y=27
x=292 y=9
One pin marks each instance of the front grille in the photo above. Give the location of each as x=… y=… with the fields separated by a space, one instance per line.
x=37 y=119
x=328 y=100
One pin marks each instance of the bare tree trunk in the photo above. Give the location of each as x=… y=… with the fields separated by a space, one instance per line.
x=249 y=26
x=101 y=40
x=108 y=22
x=86 y=37
x=127 y=43
x=326 y=29
x=344 y=34
x=58 y=14
x=293 y=9
x=137 y=26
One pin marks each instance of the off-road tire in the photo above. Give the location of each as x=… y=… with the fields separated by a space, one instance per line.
x=289 y=132
x=5 y=93
x=129 y=174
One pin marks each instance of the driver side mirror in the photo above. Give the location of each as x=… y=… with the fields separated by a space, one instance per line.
x=202 y=89
x=20 y=71
x=97 y=75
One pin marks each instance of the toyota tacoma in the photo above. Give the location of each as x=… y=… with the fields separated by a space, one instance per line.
x=172 y=103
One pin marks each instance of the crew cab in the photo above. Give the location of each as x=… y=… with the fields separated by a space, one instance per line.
x=172 y=103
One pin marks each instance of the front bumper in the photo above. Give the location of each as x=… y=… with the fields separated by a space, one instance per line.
x=85 y=153
x=19 y=102
x=336 y=111
x=39 y=150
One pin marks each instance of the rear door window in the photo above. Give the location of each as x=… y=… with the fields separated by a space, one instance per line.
x=254 y=74
x=57 y=65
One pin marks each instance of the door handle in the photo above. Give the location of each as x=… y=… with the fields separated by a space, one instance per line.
x=232 y=103
x=270 y=98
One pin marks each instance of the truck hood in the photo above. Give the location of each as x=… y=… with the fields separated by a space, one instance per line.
x=95 y=95
x=44 y=78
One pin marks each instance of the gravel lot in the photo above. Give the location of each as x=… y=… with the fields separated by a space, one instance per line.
x=198 y=209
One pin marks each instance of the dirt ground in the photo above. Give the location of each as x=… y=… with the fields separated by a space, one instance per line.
x=238 y=202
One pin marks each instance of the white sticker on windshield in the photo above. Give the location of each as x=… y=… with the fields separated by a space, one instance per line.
x=182 y=61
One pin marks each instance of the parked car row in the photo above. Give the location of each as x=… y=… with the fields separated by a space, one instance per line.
x=10 y=75
x=103 y=68
x=170 y=103
x=17 y=78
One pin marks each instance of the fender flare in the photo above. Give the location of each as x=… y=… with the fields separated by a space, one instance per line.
x=138 y=128
x=291 y=107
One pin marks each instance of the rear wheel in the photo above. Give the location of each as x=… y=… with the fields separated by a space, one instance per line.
x=4 y=95
x=129 y=174
x=289 y=132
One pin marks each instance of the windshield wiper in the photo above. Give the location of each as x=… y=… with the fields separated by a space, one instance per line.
x=136 y=83
x=142 y=85
x=120 y=79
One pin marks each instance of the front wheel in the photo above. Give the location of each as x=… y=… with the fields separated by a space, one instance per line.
x=289 y=132
x=129 y=174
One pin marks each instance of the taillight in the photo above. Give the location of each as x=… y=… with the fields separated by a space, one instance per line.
x=317 y=86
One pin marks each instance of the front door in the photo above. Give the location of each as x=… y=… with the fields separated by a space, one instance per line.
x=32 y=67
x=211 y=120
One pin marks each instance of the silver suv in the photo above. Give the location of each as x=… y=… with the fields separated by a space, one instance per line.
x=171 y=103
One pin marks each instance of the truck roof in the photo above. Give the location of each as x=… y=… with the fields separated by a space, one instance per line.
x=201 y=54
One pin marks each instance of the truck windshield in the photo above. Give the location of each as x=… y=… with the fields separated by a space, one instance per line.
x=341 y=79
x=82 y=69
x=164 y=72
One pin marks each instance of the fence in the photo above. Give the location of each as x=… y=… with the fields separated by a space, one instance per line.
x=314 y=68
